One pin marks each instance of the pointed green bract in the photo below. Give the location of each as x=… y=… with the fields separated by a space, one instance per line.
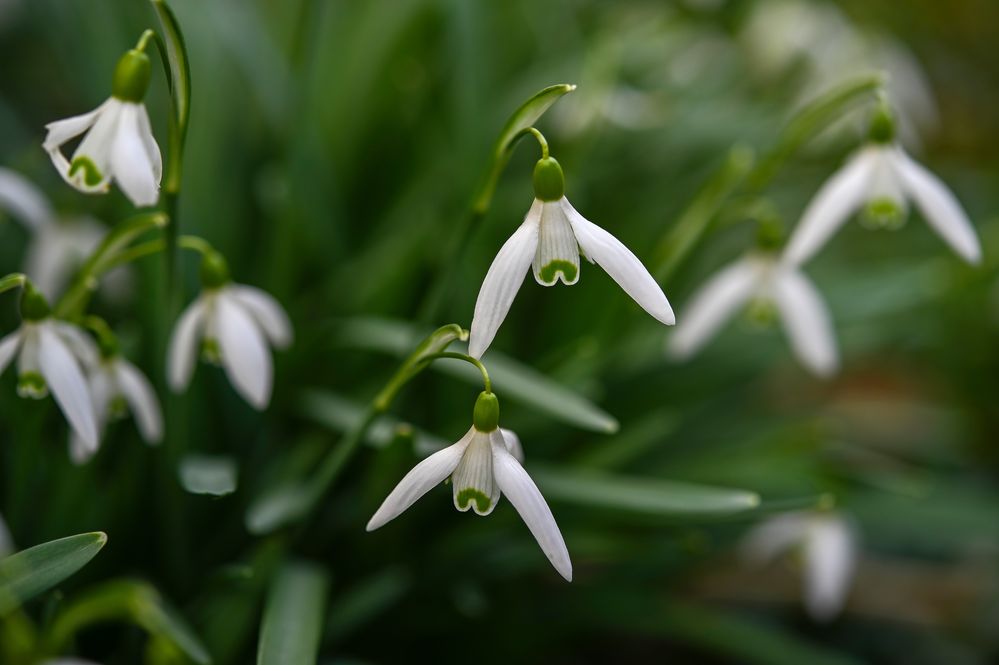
x=37 y=569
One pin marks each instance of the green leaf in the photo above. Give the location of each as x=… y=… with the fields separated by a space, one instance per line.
x=640 y=495
x=15 y=280
x=203 y=474
x=293 y=616
x=37 y=569
x=523 y=118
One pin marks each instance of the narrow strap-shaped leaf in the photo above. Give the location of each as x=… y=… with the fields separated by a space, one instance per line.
x=293 y=616
x=37 y=569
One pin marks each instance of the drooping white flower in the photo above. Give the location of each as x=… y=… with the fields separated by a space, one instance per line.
x=117 y=386
x=551 y=239
x=118 y=145
x=881 y=179
x=49 y=354
x=482 y=465
x=231 y=324
x=764 y=280
x=828 y=545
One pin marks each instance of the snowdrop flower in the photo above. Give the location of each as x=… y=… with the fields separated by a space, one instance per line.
x=828 y=546
x=49 y=354
x=551 y=239
x=119 y=143
x=881 y=179
x=232 y=324
x=767 y=282
x=482 y=465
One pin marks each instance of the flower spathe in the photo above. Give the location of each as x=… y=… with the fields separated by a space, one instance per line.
x=482 y=465
x=233 y=325
x=828 y=544
x=551 y=239
x=882 y=179
x=766 y=280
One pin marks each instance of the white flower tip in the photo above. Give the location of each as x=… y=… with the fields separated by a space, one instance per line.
x=374 y=523
x=564 y=569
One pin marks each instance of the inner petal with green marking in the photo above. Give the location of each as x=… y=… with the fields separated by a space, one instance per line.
x=32 y=385
x=92 y=176
x=884 y=213
x=557 y=256
x=472 y=481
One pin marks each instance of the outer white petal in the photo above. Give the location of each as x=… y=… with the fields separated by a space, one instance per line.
x=141 y=398
x=806 y=321
x=23 y=200
x=131 y=164
x=621 y=264
x=79 y=342
x=57 y=250
x=245 y=356
x=838 y=198
x=830 y=558
x=713 y=304
x=512 y=443
x=97 y=146
x=421 y=479
x=61 y=131
x=8 y=348
x=939 y=206
x=773 y=537
x=521 y=491
x=149 y=141
x=79 y=451
x=266 y=311
x=184 y=341
x=65 y=380
x=502 y=282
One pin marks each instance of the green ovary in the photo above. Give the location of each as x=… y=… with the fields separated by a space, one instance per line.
x=466 y=496
x=551 y=271
x=32 y=385
x=91 y=174
x=884 y=214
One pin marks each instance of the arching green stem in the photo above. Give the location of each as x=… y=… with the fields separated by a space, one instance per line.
x=486 y=383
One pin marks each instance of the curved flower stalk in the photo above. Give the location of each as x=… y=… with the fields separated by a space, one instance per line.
x=118 y=144
x=881 y=179
x=482 y=465
x=232 y=324
x=767 y=282
x=827 y=542
x=551 y=238
x=50 y=354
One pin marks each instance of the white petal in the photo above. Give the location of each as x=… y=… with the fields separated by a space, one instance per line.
x=502 y=282
x=61 y=131
x=838 y=198
x=79 y=342
x=96 y=147
x=141 y=398
x=245 y=356
x=557 y=256
x=149 y=141
x=521 y=491
x=806 y=321
x=23 y=200
x=184 y=341
x=421 y=479
x=27 y=359
x=57 y=250
x=512 y=443
x=940 y=207
x=266 y=311
x=774 y=536
x=8 y=348
x=621 y=264
x=829 y=563
x=65 y=379
x=713 y=304
x=79 y=451
x=472 y=483
x=131 y=164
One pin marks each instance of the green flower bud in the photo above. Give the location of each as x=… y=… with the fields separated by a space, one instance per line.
x=485 y=418
x=549 y=182
x=34 y=306
x=214 y=270
x=131 y=77
x=882 y=128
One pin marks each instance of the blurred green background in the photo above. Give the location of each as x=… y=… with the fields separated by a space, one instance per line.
x=333 y=150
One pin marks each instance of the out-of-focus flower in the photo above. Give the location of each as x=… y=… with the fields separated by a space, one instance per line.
x=69 y=661
x=49 y=354
x=482 y=465
x=551 y=238
x=119 y=143
x=767 y=282
x=232 y=324
x=827 y=544
x=6 y=540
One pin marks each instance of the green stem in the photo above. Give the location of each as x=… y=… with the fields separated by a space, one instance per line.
x=540 y=139
x=486 y=383
x=144 y=38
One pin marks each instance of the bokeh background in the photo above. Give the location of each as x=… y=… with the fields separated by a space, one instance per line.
x=334 y=148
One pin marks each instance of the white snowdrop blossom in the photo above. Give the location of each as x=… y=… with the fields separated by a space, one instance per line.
x=118 y=145
x=827 y=543
x=881 y=179
x=767 y=282
x=484 y=464
x=116 y=387
x=551 y=238
x=231 y=324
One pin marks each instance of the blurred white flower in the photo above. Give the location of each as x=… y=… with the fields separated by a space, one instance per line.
x=116 y=387
x=483 y=465
x=828 y=546
x=551 y=238
x=6 y=540
x=882 y=178
x=69 y=661
x=232 y=325
x=766 y=281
